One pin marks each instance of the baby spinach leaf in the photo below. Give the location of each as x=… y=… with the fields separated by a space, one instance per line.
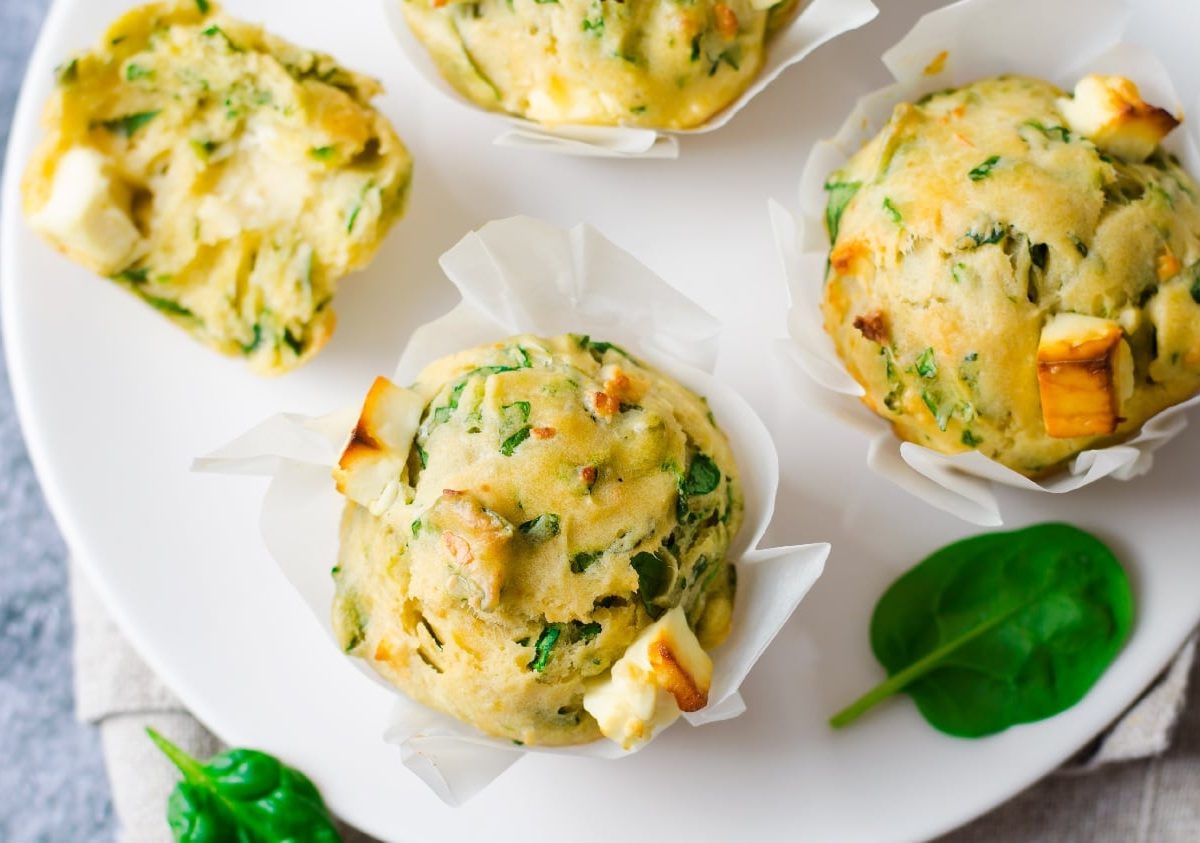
x=244 y=795
x=1000 y=629
x=840 y=194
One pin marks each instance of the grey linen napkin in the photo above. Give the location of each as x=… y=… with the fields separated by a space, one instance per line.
x=116 y=692
x=120 y=695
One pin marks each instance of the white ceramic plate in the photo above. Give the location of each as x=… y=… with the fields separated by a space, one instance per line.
x=115 y=402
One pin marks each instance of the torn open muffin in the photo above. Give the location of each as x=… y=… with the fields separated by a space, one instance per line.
x=226 y=177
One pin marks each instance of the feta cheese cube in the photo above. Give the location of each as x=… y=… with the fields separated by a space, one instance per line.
x=1085 y=373
x=1110 y=112
x=663 y=672
x=82 y=215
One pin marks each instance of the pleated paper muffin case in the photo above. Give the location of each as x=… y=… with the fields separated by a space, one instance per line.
x=817 y=23
x=520 y=276
x=953 y=46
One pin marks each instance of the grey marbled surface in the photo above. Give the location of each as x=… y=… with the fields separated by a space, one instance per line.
x=52 y=782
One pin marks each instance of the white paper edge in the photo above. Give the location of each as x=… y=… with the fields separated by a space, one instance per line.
x=818 y=23
x=1086 y=38
x=521 y=275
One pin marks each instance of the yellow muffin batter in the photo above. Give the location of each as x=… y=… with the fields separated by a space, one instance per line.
x=656 y=63
x=1016 y=270
x=521 y=517
x=226 y=177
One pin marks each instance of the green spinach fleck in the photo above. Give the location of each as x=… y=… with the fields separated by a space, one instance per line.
x=545 y=643
x=580 y=562
x=703 y=476
x=512 y=442
x=892 y=212
x=984 y=170
x=540 y=529
x=128 y=124
x=840 y=194
x=133 y=72
x=652 y=571
x=926 y=364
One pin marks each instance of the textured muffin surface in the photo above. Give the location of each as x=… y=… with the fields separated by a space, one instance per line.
x=656 y=63
x=223 y=175
x=558 y=497
x=1000 y=280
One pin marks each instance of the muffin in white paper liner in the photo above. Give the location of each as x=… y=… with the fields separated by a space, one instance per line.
x=523 y=276
x=818 y=22
x=1060 y=42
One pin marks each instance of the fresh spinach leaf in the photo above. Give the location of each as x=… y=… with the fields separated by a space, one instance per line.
x=1000 y=629
x=243 y=795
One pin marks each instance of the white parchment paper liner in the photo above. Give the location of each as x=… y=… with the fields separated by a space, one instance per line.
x=520 y=275
x=818 y=22
x=1059 y=41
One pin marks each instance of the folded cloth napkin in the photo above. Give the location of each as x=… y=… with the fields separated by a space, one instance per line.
x=117 y=692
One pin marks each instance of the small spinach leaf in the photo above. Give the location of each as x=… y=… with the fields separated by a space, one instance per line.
x=243 y=794
x=1000 y=629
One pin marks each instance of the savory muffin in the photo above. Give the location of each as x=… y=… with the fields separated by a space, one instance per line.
x=226 y=177
x=1017 y=271
x=656 y=63
x=534 y=541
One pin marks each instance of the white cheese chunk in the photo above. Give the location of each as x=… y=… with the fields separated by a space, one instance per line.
x=663 y=672
x=82 y=216
x=1109 y=111
x=372 y=470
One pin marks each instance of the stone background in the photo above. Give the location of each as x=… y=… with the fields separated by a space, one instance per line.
x=52 y=783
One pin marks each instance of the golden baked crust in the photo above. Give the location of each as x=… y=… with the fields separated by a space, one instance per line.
x=225 y=176
x=665 y=65
x=558 y=496
x=994 y=273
